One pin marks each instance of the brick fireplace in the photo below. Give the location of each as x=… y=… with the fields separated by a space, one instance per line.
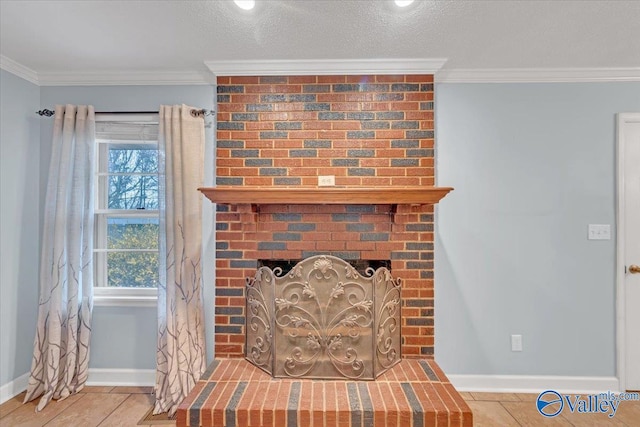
x=275 y=137
x=367 y=131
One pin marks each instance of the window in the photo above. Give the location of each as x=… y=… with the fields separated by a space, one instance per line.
x=126 y=209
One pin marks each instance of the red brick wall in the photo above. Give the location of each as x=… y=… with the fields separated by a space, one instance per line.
x=370 y=131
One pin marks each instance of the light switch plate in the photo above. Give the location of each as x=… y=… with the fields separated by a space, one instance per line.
x=599 y=232
x=516 y=342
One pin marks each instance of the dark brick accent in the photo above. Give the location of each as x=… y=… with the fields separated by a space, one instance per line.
x=365 y=115
x=405 y=255
x=419 y=227
x=317 y=143
x=230 y=125
x=375 y=124
x=369 y=87
x=273 y=135
x=222 y=226
x=259 y=107
x=235 y=263
x=273 y=98
x=288 y=237
x=302 y=98
x=236 y=320
x=426 y=351
x=246 y=117
x=229 y=143
x=405 y=125
x=346 y=88
x=287 y=217
x=301 y=226
x=273 y=79
x=361 y=153
x=229 y=181
x=228 y=254
x=375 y=237
x=230 y=89
x=359 y=227
x=342 y=217
x=223 y=98
x=303 y=153
x=229 y=292
x=345 y=162
x=428 y=256
x=404 y=162
x=222 y=245
x=426 y=312
x=271 y=246
x=411 y=302
x=389 y=97
x=405 y=143
x=420 y=321
x=273 y=171
x=419 y=134
x=228 y=310
x=326 y=115
x=258 y=162
x=287 y=181
x=227 y=329
x=426 y=217
x=245 y=153
x=426 y=274
x=426 y=105
x=426 y=87
x=361 y=172
x=289 y=125
x=222 y=208
x=419 y=246
x=317 y=106
x=390 y=115
x=405 y=87
x=316 y=88
x=361 y=134
x=420 y=152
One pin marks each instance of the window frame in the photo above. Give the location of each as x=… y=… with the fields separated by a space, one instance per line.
x=104 y=295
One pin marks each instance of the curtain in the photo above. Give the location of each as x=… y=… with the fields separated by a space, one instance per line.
x=181 y=356
x=61 y=349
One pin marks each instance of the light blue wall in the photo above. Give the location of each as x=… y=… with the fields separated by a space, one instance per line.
x=19 y=219
x=125 y=337
x=532 y=166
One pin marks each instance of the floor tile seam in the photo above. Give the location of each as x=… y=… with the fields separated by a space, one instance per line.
x=508 y=411
x=114 y=409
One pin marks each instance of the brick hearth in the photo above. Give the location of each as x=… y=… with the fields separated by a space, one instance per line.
x=414 y=393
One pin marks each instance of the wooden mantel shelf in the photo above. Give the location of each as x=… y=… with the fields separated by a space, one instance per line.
x=325 y=195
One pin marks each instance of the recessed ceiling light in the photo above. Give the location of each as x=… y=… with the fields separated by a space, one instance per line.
x=246 y=4
x=403 y=3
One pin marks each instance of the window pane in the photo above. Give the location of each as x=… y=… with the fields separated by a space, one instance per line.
x=132 y=269
x=132 y=233
x=133 y=192
x=132 y=159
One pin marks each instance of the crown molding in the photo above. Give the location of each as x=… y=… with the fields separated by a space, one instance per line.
x=538 y=75
x=325 y=67
x=125 y=78
x=18 y=69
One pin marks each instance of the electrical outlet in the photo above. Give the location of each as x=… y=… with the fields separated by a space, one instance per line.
x=516 y=342
x=326 y=180
x=599 y=232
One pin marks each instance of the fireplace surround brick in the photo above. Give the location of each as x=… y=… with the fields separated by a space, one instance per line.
x=368 y=131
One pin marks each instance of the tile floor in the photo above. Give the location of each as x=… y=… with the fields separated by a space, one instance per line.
x=125 y=406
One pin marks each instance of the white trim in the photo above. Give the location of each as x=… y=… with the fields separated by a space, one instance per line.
x=18 y=69
x=121 y=377
x=533 y=383
x=124 y=297
x=325 y=67
x=14 y=388
x=125 y=78
x=538 y=75
x=620 y=244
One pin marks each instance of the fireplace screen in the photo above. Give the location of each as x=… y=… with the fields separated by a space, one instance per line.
x=323 y=319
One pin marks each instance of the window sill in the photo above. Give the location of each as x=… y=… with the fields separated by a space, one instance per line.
x=106 y=297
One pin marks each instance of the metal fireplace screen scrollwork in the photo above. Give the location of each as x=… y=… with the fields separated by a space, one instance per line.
x=323 y=320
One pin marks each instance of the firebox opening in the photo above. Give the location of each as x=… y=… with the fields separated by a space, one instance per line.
x=361 y=265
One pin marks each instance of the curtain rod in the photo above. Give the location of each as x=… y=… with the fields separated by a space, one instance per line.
x=194 y=112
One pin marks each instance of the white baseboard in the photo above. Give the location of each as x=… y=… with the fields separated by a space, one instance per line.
x=122 y=377
x=14 y=388
x=533 y=383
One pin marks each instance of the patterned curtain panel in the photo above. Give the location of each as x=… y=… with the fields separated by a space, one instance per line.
x=61 y=349
x=181 y=346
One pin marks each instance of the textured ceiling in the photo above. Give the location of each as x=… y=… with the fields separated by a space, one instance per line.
x=119 y=36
